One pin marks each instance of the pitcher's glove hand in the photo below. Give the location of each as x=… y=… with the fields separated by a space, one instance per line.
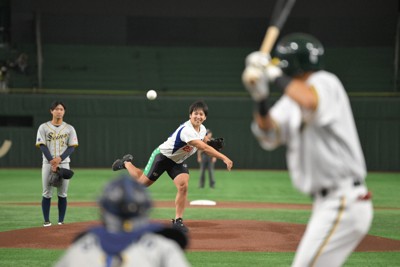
x=56 y=178
x=216 y=143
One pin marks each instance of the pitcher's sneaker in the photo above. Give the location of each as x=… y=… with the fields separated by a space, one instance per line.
x=119 y=164
x=47 y=224
x=178 y=225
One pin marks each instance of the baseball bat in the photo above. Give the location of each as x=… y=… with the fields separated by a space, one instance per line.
x=5 y=147
x=279 y=16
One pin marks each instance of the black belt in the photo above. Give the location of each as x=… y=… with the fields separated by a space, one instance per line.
x=325 y=191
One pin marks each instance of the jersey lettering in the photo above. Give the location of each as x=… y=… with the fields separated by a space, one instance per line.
x=187 y=148
x=52 y=136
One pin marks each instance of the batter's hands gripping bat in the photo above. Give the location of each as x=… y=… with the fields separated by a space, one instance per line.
x=279 y=15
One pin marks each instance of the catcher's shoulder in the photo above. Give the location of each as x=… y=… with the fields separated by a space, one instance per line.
x=80 y=235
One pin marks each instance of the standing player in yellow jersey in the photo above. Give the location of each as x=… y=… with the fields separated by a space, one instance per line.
x=57 y=140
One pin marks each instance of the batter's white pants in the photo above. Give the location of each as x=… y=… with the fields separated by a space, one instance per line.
x=338 y=223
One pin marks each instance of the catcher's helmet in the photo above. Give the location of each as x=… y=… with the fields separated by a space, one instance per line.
x=126 y=198
x=299 y=53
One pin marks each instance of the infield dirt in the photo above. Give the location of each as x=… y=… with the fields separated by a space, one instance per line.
x=210 y=235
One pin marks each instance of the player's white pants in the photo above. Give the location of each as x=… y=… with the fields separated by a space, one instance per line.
x=48 y=190
x=338 y=223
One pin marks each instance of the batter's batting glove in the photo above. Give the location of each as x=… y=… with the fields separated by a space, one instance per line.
x=264 y=62
x=257 y=59
x=259 y=73
x=256 y=83
x=119 y=164
x=272 y=71
x=254 y=78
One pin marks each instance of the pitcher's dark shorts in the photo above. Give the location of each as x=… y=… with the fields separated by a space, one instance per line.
x=158 y=164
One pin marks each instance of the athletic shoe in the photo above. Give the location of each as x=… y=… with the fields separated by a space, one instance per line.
x=46 y=224
x=119 y=164
x=60 y=223
x=178 y=225
x=127 y=157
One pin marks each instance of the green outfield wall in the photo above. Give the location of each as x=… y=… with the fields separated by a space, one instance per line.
x=182 y=69
x=109 y=126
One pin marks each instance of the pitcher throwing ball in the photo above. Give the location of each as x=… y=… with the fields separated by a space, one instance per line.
x=170 y=157
x=313 y=118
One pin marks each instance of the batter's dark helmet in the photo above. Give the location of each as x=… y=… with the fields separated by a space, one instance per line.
x=299 y=53
x=125 y=198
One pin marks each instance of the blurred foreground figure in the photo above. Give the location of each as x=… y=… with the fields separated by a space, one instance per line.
x=126 y=238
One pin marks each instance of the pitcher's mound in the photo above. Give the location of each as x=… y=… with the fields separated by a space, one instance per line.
x=215 y=235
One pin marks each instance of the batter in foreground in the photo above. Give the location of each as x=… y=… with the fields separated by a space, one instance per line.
x=313 y=118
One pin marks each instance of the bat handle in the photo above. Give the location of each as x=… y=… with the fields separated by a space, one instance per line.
x=269 y=39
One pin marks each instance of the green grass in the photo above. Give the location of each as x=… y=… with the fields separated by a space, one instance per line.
x=239 y=185
x=12 y=257
x=241 y=259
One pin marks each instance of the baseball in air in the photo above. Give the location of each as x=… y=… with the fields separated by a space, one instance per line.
x=151 y=95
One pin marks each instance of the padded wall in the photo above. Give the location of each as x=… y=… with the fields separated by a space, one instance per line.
x=110 y=126
x=186 y=69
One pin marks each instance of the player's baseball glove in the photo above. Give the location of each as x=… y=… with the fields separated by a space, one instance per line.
x=119 y=163
x=217 y=143
x=65 y=173
x=56 y=178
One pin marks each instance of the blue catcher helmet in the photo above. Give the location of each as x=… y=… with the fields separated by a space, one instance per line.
x=126 y=198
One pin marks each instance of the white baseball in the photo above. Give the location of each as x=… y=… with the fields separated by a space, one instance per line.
x=151 y=95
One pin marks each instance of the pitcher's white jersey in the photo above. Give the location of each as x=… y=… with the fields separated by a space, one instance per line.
x=151 y=250
x=176 y=147
x=323 y=147
x=56 y=138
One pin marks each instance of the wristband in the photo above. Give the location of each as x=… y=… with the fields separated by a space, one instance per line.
x=263 y=107
x=282 y=81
